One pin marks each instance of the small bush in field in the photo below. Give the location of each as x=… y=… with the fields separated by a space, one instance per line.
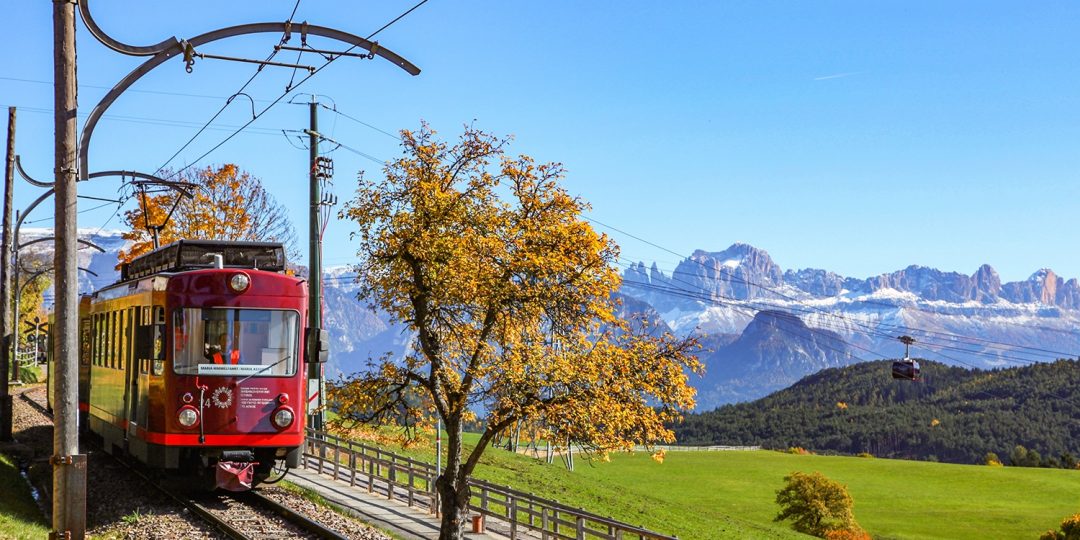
x=1070 y=530
x=815 y=504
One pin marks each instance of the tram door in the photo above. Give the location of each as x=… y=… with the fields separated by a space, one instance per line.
x=131 y=372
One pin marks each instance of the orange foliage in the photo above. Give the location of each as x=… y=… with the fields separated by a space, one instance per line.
x=226 y=204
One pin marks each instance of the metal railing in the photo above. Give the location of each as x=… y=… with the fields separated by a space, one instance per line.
x=413 y=482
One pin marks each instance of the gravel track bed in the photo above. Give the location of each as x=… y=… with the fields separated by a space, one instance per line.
x=345 y=525
x=120 y=504
x=249 y=519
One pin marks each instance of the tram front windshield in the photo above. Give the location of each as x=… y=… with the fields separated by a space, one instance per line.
x=235 y=342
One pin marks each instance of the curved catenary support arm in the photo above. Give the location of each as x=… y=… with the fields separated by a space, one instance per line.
x=232 y=31
x=29 y=209
x=22 y=173
x=182 y=187
x=108 y=41
x=86 y=243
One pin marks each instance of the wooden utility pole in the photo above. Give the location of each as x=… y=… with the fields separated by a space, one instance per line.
x=315 y=375
x=69 y=467
x=5 y=283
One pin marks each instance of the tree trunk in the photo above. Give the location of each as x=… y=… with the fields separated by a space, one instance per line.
x=453 y=486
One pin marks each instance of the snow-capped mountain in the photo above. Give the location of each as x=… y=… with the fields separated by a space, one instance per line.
x=959 y=319
x=97 y=268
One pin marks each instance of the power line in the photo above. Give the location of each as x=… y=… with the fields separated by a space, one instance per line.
x=293 y=88
x=258 y=70
x=134 y=90
x=751 y=311
x=361 y=122
x=157 y=121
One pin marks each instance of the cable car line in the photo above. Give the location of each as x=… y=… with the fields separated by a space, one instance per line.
x=700 y=296
x=1009 y=346
x=825 y=325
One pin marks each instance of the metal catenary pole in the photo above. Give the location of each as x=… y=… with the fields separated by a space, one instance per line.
x=314 y=261
x=5 y=283
x=69 y=467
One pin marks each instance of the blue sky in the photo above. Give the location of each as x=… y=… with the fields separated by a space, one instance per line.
x=854 y=136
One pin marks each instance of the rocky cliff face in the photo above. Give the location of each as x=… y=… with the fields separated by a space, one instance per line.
x=1046 y=288
x=815 y=281
x=732 y=273
x=774 y=351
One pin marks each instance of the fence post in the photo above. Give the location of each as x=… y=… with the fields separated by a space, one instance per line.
x=513 y=517
x=322 y=456
x=580 y=528
x=337 y=460
x=390 y=475
x=352 y=468
x=543 y=523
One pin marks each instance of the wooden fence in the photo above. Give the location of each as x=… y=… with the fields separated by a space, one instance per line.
x=413 y=482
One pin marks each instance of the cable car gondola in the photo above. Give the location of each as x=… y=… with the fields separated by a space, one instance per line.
x=906 y=369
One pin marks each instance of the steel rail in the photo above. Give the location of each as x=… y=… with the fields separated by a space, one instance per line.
x=291 y=516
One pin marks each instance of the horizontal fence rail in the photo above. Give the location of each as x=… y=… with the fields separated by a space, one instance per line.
x=398 y=477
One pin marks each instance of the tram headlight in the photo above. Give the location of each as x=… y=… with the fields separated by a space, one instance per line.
x=239 y=282
x=188 y=416
x=282 y=418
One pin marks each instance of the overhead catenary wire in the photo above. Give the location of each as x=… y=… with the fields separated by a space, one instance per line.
x=258 y=70
x=293 y=88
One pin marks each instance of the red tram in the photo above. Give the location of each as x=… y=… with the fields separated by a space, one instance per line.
x=191 y=362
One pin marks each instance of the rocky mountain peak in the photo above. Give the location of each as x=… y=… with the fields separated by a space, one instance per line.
x=987 y=284
x=731 y=273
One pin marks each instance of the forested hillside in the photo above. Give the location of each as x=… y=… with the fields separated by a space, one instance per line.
x=952 y=414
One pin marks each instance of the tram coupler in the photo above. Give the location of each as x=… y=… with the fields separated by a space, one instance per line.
x=234 y=475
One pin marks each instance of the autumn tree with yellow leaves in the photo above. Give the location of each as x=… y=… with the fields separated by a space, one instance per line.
x=508 y=291
x=225 y=204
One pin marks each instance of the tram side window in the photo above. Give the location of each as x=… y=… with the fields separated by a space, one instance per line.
x=102 y=328
x=103 y=338
x=110 y=339
x=121 y=339
x=95 y=358
x=97 y=339
x=84 y=341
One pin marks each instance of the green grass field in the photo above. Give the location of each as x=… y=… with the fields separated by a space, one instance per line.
x=19 y=515
x=706 y=495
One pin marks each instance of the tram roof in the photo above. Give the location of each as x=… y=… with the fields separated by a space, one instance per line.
x=194 y=254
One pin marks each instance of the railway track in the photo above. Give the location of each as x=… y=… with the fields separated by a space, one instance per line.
x=239 y=516
x=250 y=515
